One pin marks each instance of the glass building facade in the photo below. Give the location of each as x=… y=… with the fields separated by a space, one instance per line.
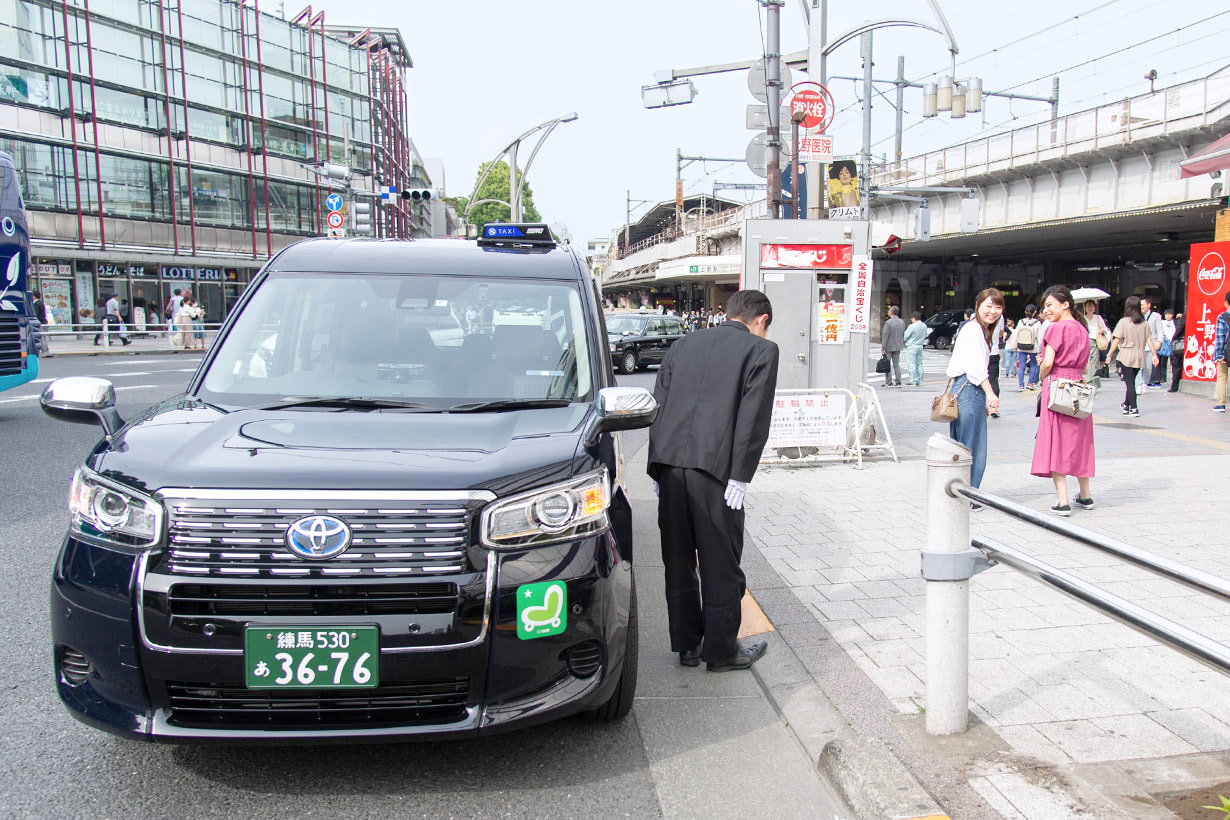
x=164 y=143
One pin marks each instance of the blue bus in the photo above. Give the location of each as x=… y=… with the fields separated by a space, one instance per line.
x=19 y=328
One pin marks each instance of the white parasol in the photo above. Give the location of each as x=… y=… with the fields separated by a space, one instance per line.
x=1083 y=294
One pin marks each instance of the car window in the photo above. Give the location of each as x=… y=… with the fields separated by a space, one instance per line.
x=674 y=326
x=657 y=327
x=429 y=338
x=632 y=325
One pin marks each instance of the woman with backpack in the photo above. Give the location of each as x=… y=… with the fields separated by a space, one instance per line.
x=1028 y=333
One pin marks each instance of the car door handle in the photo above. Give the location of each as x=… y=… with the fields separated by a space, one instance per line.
x=802 y=357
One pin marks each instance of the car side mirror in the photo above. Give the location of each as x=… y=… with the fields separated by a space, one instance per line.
x=621 y=408
x=83 y=400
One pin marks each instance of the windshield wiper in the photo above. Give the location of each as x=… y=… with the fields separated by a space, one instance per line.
x=507 y=404
x=351 y=403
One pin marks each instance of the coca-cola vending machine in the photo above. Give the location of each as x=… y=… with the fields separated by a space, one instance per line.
x=1207 y=284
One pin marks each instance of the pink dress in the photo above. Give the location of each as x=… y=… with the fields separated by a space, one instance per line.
x=1064 y=444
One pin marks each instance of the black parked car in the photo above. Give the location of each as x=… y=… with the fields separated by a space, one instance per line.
x=368 y=517
x=637 y=340
x=942 y=328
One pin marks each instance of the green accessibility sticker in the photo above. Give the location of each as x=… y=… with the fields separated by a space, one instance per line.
x=542 y=609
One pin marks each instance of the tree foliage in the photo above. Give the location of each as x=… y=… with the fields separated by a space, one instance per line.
x=496 y=187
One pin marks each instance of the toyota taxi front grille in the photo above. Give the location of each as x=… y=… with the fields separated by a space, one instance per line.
x=237 y=600
x=245 y=539
x=233 y=706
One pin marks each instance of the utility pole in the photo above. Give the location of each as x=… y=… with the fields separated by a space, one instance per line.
x=817 y=68
x=864 y=171
x=514 y=195
x=900 y=105
x=773 y=79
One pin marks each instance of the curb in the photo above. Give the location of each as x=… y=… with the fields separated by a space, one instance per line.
x=867 y=776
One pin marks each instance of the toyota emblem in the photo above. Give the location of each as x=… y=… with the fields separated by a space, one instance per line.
x=318 y=537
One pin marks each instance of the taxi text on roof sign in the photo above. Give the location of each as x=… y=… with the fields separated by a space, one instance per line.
x=505 y=231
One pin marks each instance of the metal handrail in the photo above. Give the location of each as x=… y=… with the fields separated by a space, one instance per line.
x=1190 y=643
x=1196 y=579
x=951 y=558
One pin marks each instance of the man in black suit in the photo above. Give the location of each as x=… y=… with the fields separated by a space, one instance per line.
x=715 y=399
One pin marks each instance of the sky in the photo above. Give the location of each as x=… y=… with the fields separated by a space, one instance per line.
x=485 y=71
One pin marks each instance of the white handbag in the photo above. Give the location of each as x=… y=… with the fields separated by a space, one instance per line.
x=1071 y=397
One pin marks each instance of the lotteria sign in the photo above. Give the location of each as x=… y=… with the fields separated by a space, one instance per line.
x=1207 y=285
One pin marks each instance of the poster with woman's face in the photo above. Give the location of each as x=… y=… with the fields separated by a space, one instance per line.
x=843 y=184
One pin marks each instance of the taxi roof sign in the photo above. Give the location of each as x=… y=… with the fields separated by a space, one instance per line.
x=523 y=234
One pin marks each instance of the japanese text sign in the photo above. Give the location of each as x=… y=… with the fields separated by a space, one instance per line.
x=1207 y=285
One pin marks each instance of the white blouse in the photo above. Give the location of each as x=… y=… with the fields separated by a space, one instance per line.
x=970 y=354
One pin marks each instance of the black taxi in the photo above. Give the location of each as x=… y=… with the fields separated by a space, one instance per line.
x=390 y=504
x=637 y=340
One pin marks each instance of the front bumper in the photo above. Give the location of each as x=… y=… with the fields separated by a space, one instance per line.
x=156 y=675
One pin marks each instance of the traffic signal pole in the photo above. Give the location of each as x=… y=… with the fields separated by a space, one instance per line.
x=773 y=81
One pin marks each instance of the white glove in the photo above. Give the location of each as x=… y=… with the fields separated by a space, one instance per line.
x=735 y=490
x=655 y=488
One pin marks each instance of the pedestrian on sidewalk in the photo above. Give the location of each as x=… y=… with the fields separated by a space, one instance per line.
x=1099 y=338
x=715 y=399
x=997 y=348
x=1010 y=357
x=1177 y=345
x=1144 y=379
x=915 y=338
x=1028 y=334
x=1064 y=444
x=111 y=316
x=1219 y=356
x=40 y=313
x=1165 y=348
x=892 y=342
x=971 y=352
x=1132 y=340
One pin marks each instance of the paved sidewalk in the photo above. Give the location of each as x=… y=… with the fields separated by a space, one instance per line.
x=1074 y=715
x=82 y=344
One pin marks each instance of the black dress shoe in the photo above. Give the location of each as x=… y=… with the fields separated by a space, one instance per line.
x=743 y=659
x=690 y=657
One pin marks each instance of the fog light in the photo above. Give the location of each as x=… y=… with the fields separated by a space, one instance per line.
x=74 y=666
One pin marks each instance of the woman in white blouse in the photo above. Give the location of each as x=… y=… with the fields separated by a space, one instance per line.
x=968 y=369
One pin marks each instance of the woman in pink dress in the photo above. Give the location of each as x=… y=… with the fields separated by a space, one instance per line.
x=1064 y=445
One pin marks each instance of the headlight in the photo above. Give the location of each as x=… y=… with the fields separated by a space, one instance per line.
x=612 y=348
x=550 y=514
x=111 y=513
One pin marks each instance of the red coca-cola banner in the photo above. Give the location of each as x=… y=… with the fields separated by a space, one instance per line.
x=1207 y=284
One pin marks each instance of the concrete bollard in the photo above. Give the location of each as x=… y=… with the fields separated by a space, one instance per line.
x=947 y=600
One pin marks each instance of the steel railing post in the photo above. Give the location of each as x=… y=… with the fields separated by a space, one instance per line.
x=947 y=600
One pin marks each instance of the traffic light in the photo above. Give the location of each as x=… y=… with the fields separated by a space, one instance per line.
x=418 y=194
x=361 y=216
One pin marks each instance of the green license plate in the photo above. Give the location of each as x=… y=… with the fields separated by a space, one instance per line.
x=283 y=657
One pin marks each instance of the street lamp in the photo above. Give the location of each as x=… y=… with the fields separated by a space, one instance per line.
x=515 y=185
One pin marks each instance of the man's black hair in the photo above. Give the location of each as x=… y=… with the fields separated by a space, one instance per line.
x=917 y=315
x=746 y=305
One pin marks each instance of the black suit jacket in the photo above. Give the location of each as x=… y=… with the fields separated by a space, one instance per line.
x=715 y=399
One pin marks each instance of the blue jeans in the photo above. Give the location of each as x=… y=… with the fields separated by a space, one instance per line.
x=913 y=364
x=970 y=428
x=1028 y=363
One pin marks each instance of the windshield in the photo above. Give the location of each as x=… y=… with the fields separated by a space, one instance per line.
x=435 y=340
x=633 y=325
x=940 y=319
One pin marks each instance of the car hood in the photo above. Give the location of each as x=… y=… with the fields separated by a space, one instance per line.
x=185 y=443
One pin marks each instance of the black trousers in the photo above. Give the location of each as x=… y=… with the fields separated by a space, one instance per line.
x=1176 y=369
x=993 y=373
x=1129 y=380
x=699 y=530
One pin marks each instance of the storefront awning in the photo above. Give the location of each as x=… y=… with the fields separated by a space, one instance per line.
x=702 y=269
x=1210 y=160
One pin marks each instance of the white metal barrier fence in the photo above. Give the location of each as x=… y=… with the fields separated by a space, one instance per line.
x=951 y=558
